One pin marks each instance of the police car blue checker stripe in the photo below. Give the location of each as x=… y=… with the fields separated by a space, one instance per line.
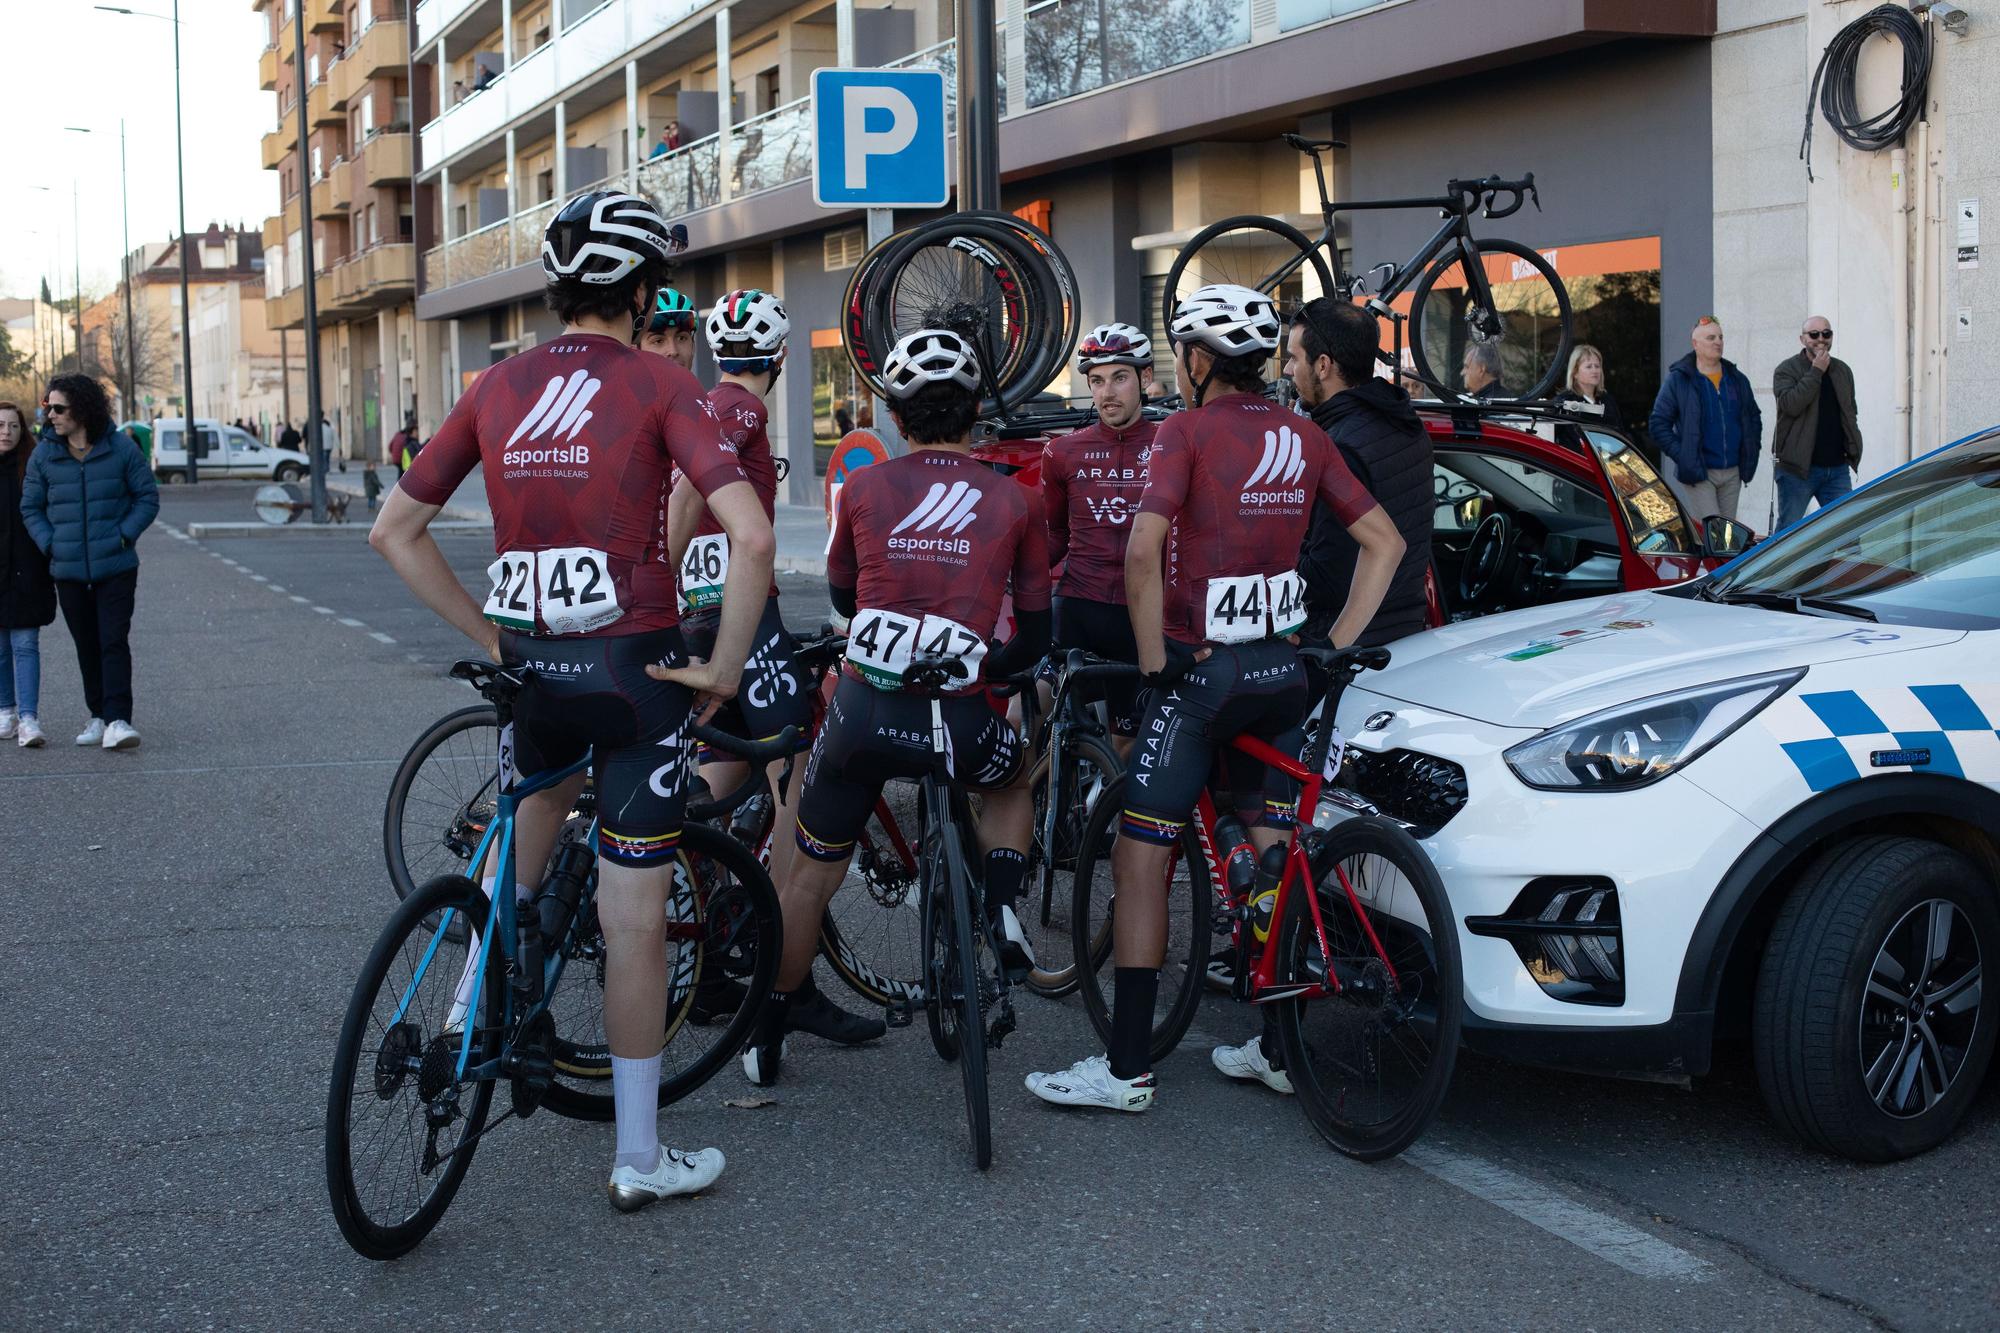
x=1836 y=736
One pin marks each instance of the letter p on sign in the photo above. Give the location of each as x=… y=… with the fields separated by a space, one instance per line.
x=878 y=138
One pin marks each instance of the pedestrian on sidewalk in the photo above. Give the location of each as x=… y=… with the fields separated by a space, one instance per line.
x=399 y=443
x=1817 y=441
x=27 y=594
x=330 y=440
x=88 y=496
x=289 y=438
x=1585 y=384
x=1708 y=425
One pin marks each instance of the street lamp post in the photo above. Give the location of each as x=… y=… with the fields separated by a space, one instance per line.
x=316 y=434
x=180 y=188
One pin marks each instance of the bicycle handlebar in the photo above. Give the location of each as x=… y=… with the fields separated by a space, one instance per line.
x=1475 y=193
x=777 y=747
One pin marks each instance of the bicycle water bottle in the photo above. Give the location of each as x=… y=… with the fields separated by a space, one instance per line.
x=562 y=891
x=1238 y=857
x=527 y=951
x=753 y=820
x=1270 y=869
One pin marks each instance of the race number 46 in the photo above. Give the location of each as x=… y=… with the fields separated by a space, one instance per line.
x=703 y=570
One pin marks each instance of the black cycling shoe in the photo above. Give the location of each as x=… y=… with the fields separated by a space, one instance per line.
x=717 y=1000
x=811 y=1011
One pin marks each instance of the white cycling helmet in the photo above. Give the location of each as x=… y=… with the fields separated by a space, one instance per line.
x=927 y=357
x=1227 y=319
x=602 y=236
x=1113 y=345
x=749 y=316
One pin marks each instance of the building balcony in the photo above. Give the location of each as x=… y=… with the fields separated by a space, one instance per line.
x=267 y=70
x=333 y=193
x=277 y=143
x=384 y=49
x=385 y=159
x=326 y=15
x=320 y=109
x=343 y=81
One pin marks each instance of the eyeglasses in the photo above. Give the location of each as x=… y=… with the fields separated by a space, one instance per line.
x=1820 y=335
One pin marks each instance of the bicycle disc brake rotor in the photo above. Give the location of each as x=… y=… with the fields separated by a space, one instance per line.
x=887 y=878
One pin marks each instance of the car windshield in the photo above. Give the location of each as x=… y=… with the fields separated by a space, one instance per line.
x=1658 y=524
x=1920 y=546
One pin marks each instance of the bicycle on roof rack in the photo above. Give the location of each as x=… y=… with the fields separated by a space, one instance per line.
x=1494 y=302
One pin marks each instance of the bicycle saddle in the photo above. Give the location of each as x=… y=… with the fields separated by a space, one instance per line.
x=495 y=683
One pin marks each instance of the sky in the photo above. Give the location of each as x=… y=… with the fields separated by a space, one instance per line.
x=68 y=64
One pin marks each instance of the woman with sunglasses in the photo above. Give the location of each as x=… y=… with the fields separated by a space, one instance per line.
x=87 y=497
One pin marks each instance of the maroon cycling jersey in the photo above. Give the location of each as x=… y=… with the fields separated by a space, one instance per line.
x=577 y=438
x=741 y=416
x=937 y=533
x=1237 y=478
x=1091 y=483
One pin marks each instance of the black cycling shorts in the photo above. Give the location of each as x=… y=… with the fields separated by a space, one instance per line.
x=872 y=735
x=593 y=693
x=774 y=693
x=1103 y=628
x=1254 y=688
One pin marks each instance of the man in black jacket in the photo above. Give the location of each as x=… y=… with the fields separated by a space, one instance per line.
x=1330 y=357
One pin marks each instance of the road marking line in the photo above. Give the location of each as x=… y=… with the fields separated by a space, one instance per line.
x=297 y=598
x=351 y=623
x=1605 y=1236
x=323 y=610
x=120 y=770
x=257 y=578
x=276 y=588
x=379 y=636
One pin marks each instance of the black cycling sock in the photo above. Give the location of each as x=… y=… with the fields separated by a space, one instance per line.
x=771 y=1022
x=1005 y=869
x=1134 y=989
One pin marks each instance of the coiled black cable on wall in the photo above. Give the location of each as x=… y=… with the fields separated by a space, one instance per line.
x=1833 y=83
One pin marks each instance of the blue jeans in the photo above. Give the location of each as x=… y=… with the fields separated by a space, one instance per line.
x=21 y=670
x=1824 y=484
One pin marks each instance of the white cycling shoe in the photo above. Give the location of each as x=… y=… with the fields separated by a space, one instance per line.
x=1247 y=1062
x=1015 y=951
x=678 y=1173
x=1090 y=1082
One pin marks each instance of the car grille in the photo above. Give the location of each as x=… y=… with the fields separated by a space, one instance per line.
x=1419 y=789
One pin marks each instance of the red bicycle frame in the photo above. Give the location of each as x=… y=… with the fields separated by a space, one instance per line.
x=1264 y=986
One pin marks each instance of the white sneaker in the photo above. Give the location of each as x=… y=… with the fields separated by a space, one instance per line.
x=678 y=1173
x=8 y=719
x=1090 y=1083
x=1015 y=951
x=92 y=734
x=121 y=736
x=1247 y=1062
x=29 y=735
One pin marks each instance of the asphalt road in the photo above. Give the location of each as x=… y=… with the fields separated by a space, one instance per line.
x=184 y=922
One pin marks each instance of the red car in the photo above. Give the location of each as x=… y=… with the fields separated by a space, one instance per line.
x=1532 y=507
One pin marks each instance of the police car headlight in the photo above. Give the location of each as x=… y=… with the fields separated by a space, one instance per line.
x=1634 y=744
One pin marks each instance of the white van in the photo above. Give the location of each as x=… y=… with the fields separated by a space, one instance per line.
x=221 y=450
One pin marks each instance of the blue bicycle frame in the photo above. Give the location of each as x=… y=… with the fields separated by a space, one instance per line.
x=500 y=919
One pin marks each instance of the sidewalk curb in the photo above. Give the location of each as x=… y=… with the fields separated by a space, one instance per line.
x=201 y=530
x=456 y=513
x=814 y=565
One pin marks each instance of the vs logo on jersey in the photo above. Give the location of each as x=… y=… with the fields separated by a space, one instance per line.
x=1110 y=509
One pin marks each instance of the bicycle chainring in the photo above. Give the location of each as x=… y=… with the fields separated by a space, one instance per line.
x=533 y=1062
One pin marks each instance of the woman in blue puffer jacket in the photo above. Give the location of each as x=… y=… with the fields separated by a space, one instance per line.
x=87 y=497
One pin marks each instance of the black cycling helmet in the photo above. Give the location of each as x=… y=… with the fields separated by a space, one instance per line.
x=604 y=237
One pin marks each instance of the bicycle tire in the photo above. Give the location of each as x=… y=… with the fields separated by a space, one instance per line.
x=370 y=1236
x=1047 y=921
x=744 y=940
x=963 y=984
x=456 y=807
x=1523 y=349
x=937 y=944
x=1062 y=298
x=1180 y=992
x=865 y=955
x=1428 y=990
x=1266 y=277
x=983 y=279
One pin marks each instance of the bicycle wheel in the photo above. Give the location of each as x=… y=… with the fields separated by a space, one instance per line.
x=970 y=283
x=871 y=935
x=1046 y=905
x=400 y=1127
x=1372 y=1063
x=1529 y=325
x=1267 y=254
x=1189 y=895
x=442 y=798
x=958 y=958
x=723 y=924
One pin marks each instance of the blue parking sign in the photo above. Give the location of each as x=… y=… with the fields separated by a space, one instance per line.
x=878 y=138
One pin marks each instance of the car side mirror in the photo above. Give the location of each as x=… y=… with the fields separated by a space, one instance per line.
x=1470 y=510
x=1725 y=536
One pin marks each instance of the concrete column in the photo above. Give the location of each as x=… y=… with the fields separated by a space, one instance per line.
x=389 y=382
x=635 y=152
x=562 y=150
x=725 y=108
x=843 y=32
x=513 y=196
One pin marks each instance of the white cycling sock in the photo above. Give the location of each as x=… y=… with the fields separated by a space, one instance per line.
x=461 y=998
x=635 y=1097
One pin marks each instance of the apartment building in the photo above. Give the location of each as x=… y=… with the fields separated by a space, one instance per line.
x=357 y=154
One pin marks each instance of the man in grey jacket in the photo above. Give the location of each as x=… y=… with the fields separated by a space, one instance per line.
x=1817 y=441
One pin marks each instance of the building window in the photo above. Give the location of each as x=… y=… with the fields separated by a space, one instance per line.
x=843 y=249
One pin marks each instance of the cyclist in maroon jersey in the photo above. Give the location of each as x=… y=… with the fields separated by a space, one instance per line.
x=924 y=547
x=1216 y=604
x=576 y=438
x=1091 y=483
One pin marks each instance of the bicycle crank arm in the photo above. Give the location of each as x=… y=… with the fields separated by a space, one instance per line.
x=1002 y=1024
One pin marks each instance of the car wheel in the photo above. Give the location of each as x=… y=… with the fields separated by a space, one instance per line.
x=290 y=472
x=172 y=476
x=1873 y=1026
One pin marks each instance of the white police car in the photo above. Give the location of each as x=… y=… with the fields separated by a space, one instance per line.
x=1766 y=802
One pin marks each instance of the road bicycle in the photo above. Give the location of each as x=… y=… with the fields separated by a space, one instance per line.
x=1462 y=292
x=1351 y=939
x=461 y=994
